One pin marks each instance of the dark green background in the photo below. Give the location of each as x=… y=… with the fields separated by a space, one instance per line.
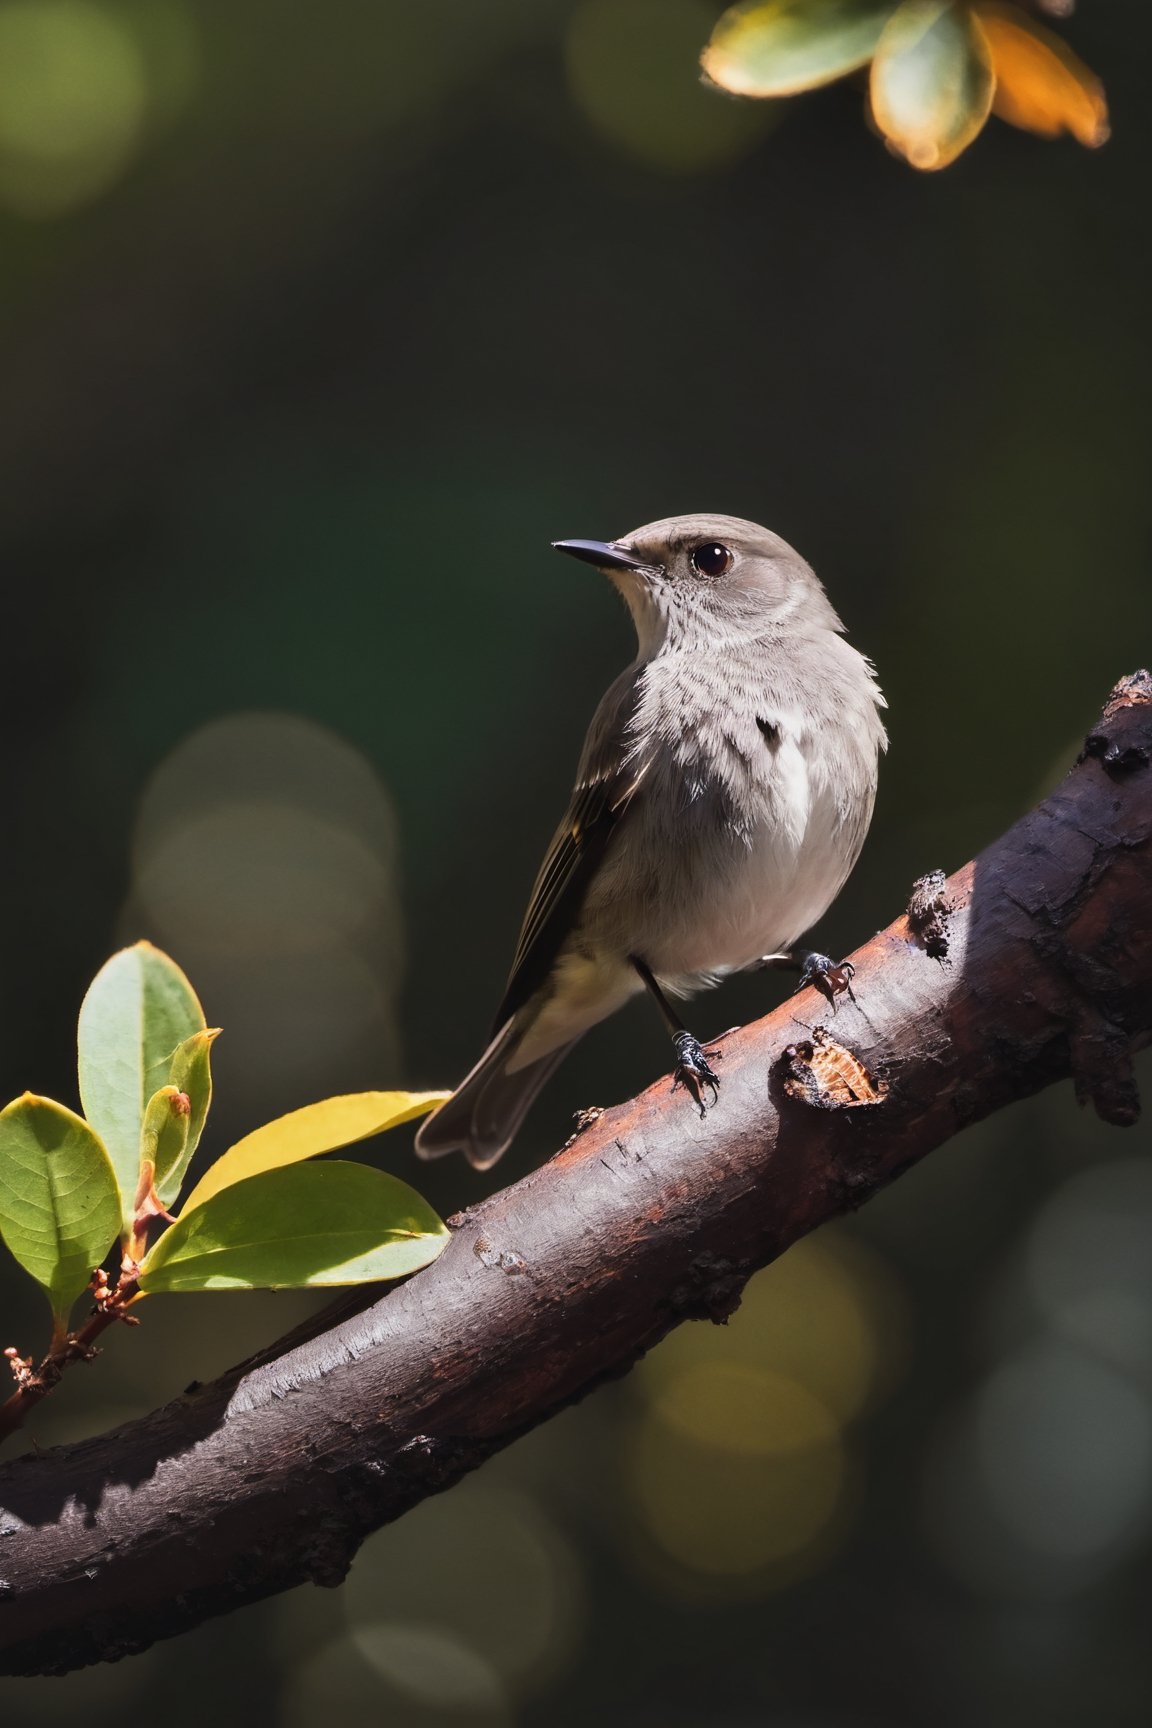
x=389 y=295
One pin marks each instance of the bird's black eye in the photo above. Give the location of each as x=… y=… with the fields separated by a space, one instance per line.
x=711 y=559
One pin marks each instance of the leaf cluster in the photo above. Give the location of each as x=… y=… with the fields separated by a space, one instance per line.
x=936 y=68
x=77 y=1191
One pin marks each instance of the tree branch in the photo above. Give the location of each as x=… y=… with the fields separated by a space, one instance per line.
x=274 y=1474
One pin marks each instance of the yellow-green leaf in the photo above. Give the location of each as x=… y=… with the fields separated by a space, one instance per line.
x=138 y=1009
x=306 y=1133
x=779 y=47
x=192 y=1074
x=310 y=1224
x=931 y=83
x=59 y=1206
x=164 y=1136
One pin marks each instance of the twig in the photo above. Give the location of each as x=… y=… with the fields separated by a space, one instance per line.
x=34 y=1383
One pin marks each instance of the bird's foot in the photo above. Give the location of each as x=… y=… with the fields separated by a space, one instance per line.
x=830 y=977
x=694 y=1069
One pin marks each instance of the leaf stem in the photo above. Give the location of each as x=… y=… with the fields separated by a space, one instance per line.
x=33 y=1384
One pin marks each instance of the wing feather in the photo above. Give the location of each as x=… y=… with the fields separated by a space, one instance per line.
x=607 y=780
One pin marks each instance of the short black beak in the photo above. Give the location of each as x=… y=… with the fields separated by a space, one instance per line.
x=603 y=554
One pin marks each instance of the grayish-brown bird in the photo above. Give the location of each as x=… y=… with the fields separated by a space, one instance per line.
x=723 y=795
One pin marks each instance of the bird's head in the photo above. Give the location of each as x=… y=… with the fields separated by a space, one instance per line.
x=687 y=578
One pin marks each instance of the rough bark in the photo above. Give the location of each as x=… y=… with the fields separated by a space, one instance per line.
x=274 y=1474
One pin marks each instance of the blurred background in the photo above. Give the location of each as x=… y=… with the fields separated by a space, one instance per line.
x=317 y=323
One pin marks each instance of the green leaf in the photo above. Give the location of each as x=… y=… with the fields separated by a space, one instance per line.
x=308 y=1132
x=192 y=1075
x=779 y=47
x=309 y=1224
x=931 y=83
x=59 y=1207
x=138 y=1009
x=164 y=1136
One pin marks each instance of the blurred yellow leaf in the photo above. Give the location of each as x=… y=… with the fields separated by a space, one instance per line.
x=932 y=82
x=1041 y=85
x=779 y=47
x=308 y=1132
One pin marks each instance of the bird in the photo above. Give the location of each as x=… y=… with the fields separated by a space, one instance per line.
x=722 y=797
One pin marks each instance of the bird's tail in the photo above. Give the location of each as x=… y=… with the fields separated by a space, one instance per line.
x=483 y=1114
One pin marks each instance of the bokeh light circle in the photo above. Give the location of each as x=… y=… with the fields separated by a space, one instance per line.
x=431 y=1666
x=319 y=883
x=265 y=860
x=485 y=1566
x=1042 y=1485
x=404 y=1676
x=754 y=1506
x=633 y=68
x=1065 y=1449
x=1088 y=1267
x=748 y=1411
x=73 y=101
x=828 y=1315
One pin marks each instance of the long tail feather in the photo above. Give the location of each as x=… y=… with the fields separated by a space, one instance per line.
x=484 y=1113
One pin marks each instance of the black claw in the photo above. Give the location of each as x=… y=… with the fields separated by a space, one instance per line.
x=830 y=978
x=694 y=1069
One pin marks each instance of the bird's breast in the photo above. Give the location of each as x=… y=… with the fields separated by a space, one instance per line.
x=736 y=846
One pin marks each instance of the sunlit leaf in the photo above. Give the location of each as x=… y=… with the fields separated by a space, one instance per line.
x=59 y=1206
x=138 y=1009
x=306 y=1133
x=778 y=47
x=309 y=1224
x=1040 y=84
x=931 y=83
x=192 y=1074
x=164 y=1135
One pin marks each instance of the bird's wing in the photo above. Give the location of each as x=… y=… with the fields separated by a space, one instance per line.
x=607 y=780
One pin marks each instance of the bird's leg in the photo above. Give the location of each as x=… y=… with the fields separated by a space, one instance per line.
x=693 y=1063
x=830 y=977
